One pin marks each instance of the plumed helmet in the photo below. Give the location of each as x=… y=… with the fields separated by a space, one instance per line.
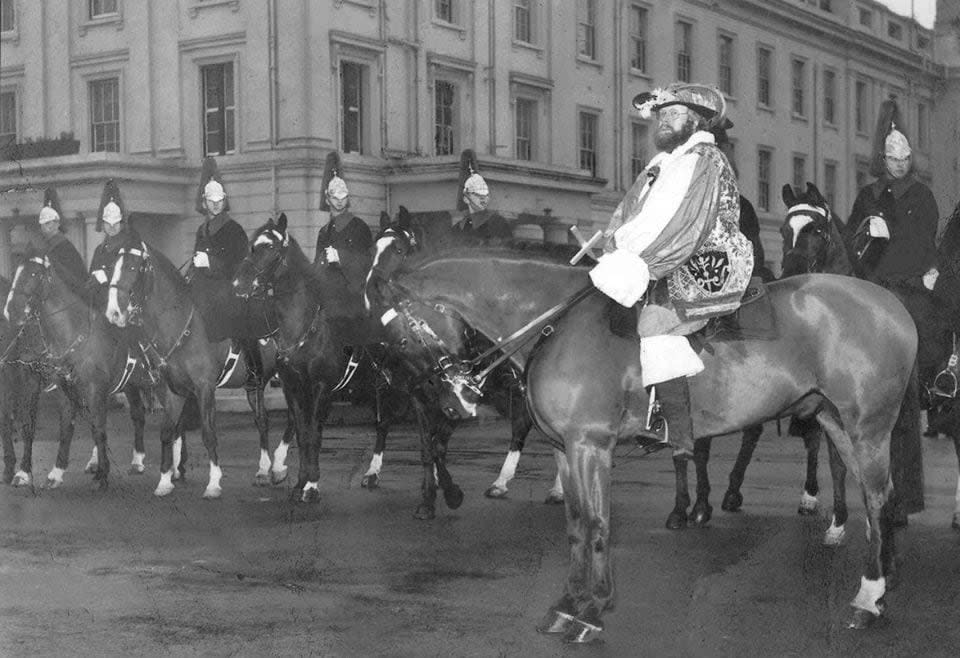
x=706 y=100
x=890 y=135
x=470 y=179
x=51 y=206
x=211 y=185
x=111 y=205
x=333 y=183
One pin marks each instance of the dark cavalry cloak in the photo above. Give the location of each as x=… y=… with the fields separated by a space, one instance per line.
x=67 y=260
x=104 y=259
x=352 y=239
x=486 y=225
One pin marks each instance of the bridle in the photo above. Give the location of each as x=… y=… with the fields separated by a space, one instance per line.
x=819 y=226
x=278 y=244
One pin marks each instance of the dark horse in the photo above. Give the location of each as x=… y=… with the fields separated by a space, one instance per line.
x=77 y=351
x=320 y=327
x=147 y=289
x=426 y=233
x=817 y=245
x=584 y=388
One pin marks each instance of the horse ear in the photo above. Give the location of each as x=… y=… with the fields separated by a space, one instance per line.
x=282 y=222
x=814 y=192
x=789 y=197
x=404 y=220
x=384 y=220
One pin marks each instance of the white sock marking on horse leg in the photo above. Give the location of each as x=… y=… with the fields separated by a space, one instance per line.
x=835 y=533
x=311 y=486
x=280 y=458
x=55 y=477
x=436 y=478
x=508 y=470
x=376 y=462
x=21 y=479
x=213 y=489
x=137 y=461
x=808 y=502
x=870 y=592
x=557 y=489
x=264 y=467
x=92 y=464
x=177 y=453
x=165 y=485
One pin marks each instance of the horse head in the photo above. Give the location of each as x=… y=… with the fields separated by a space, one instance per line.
x=809 y=235
x=395 y=241
x=267 y=259
x=130 y=280
x=27 y=289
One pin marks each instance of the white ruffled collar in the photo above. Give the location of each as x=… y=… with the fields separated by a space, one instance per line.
x=699 y=137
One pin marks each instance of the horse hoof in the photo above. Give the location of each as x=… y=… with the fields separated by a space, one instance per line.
x=310 y=496
x=581 y=632
x=212 y=493
x=425 y=513
x=701 y=516
x=53 y=483
x=732 y=501
x=163 y=490
x=553 y=499
x=555 y=622
x=453 y=497
x=371 y=481
x=676 y=520
x=261 y=480
x=135 y=469
x=104 y=484
x=808 y=505
x=834 y=535
x=862 y=619
x=278 y=477
x=495 y=491
x=22 y=479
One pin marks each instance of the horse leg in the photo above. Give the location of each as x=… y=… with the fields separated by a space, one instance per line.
x=677 y=519
x=835 y=534
x=520 y=425
x=6 y=435
x=956 y=509
x=733 y=498
x=138 y=416
x=426 y=510
x=702 y=510
x=98 y=430
x=278 y=469
x=811 y=487
x=384 y=421
x=452 y=493
x=169 y=433
x=208 y=428
x=555 y=495
x=28 y=429
x=872 y=469
x=261 y=420
x=67 y=411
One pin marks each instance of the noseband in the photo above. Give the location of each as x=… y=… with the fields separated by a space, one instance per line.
x=136 y=294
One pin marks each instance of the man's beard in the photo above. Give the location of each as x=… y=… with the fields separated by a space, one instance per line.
x=666 y=139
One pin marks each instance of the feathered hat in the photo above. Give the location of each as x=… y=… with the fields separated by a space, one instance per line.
x=890 y=136
x=211 y=185
x=333 y=183
x=706 y=100
x=51 y=206
x=470 y=178
x=111 y=206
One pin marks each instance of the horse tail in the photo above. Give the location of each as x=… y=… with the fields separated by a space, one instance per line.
x=906 y=452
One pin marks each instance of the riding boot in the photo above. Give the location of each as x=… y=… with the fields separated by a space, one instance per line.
x=251 y=355
x=675 y=407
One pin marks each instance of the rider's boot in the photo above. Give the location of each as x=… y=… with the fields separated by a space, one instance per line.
x=671 y=424
x=251 y=355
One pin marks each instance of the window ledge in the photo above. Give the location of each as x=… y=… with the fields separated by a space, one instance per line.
x=115 y=20
x=583 y=59
x=234 y=6
x=798 y=117
x=526 y=45
x=769 y=109
x=639 y=73
x=831 y=126
x=11 y=36
x=453 y=27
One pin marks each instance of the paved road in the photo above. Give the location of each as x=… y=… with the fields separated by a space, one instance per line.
x=84 y=572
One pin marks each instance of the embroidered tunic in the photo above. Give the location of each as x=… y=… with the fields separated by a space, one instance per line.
x=681 y=217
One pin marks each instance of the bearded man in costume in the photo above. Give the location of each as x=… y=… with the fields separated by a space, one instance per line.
x=678 y=228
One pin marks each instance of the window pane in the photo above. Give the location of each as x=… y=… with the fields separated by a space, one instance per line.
x=445 y=10
x=860 y=106
x=799 y=173
x=521 y=18
x=763 y=179
x=444 y=98
x=799 y=81
x=105 y=115
x=725 y=64
x=588 y=142
x=219 y=136
x=525 y=113
x=7 y=18
x=100 y=7
x=351 y=79
x=638 y=155
x=683 y=36
x=764 y=57
x=830 y=183
x=829 y=96
x=8 y=117
x=638 y=36
x=586 y=37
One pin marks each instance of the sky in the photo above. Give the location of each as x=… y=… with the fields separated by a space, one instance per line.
x=923 y=10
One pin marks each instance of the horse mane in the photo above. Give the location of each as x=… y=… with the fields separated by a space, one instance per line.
x=543 y=252
x=167 y=269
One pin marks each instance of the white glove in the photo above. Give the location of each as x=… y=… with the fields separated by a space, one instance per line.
x=200 y=259
x=878 y=228
x=100 y=276
x=621 y=275
x=930 y=278
x=333 y=256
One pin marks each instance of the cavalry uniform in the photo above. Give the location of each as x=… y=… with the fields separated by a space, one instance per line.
x=55 y=246
x=473 y=195
x=120 y=235
x=345 y=243
x=486 y=225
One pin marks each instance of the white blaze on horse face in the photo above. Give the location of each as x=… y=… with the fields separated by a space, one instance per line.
x=13 y=286
x=797 y=222
x=382 y=245
x=113 y=312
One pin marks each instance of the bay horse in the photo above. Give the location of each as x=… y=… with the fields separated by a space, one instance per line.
x=429 y=232
x=318 y=333
x=585 y=388
x=74 y=348
x=147 y=289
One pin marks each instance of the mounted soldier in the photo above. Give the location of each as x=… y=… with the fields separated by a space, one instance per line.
x=112 y=221
x=473 y=195
x=55 y=246
x=220 y=247
x=677 y=228
x=345 y=243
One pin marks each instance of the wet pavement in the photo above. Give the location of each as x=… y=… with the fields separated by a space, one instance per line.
x=85 y=572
